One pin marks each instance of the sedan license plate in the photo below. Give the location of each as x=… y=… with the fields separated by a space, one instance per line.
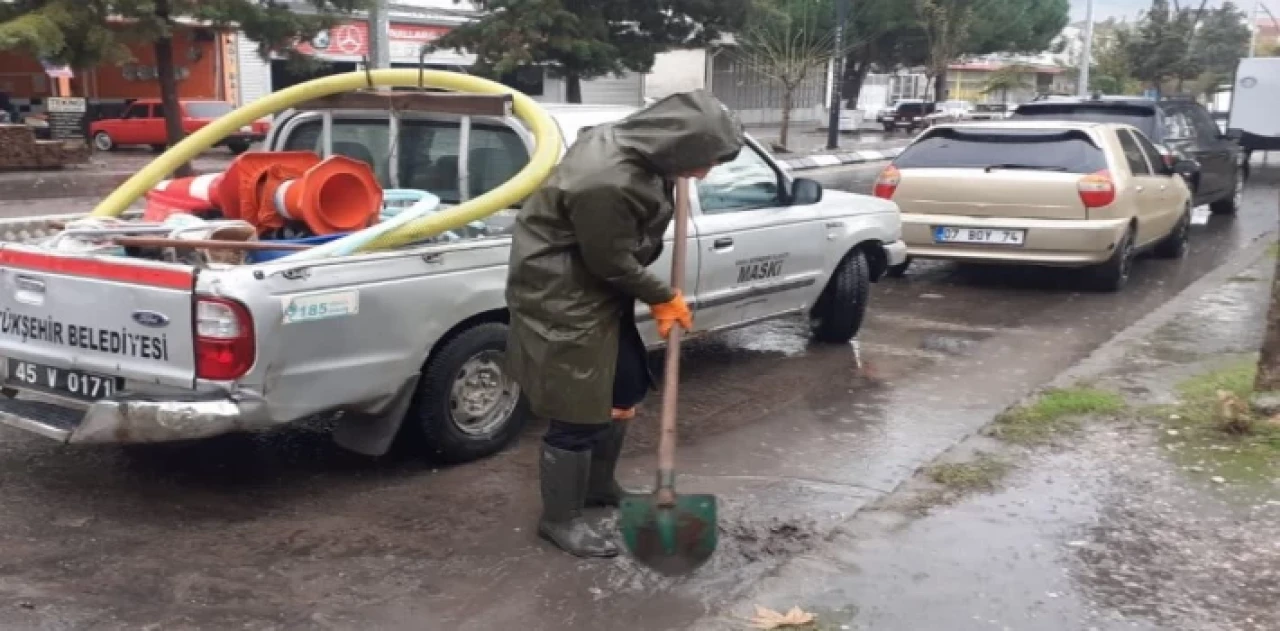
x=72 y=383
x=993 y=236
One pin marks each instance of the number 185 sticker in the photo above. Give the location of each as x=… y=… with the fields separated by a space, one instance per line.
x=305 y=308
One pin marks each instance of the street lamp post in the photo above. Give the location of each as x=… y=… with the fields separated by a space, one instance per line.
x=837 y=75
x=1086 y=56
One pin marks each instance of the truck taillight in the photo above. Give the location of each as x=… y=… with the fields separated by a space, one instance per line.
x=1097 y=189
x=224 y=339
x=887 y=183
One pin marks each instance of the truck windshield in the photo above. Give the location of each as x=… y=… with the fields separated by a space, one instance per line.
x=1144 y=118
x=429 y=153
x=1033 y=149
x=207 y=109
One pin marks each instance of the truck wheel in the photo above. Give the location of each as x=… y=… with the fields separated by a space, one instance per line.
x=102 y=141
x=1230 y=204
x=838 y=314
x=1114 y=274
x=466 y=407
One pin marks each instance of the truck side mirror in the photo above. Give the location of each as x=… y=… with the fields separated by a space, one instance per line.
x=805 y=192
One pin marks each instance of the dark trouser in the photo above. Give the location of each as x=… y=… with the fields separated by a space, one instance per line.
x=631 y=381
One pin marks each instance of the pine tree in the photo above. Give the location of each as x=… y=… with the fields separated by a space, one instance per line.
x=585 y=39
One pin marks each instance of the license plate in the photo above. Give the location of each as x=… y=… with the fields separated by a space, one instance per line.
x=994 y=236
x=73 y=383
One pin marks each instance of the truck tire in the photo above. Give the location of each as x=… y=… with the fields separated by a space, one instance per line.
x=838 y=314
x=466 y=407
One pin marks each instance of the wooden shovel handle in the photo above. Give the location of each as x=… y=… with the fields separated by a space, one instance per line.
x=671 y=376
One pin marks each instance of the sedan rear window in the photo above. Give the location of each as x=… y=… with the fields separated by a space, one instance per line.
x=1067 y=151
x=207 y=109
x=1144 y=118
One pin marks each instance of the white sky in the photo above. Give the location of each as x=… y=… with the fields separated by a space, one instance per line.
x=1103 y=9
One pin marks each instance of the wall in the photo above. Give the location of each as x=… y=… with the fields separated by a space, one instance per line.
x=23 y=77
x=758 y=100
x=676 y=71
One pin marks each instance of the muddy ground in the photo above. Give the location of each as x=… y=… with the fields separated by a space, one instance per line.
x=286 y=532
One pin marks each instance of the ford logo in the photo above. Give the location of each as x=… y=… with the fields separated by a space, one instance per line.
x=150 y=319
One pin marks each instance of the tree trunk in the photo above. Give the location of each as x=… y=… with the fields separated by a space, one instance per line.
x=855 y=74
x=167 y=76
x=940 y=86
x=573 y=88
x=1268 y=379
x=787 y=94
x=1004 y=96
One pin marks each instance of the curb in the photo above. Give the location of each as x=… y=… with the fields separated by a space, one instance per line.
x=827 y=160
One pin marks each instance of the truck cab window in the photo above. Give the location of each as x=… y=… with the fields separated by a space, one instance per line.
x=747 y=183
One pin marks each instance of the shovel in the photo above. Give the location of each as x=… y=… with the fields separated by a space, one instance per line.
x=672 y=534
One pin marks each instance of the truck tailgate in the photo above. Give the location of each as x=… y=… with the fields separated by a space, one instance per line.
x=78 y=325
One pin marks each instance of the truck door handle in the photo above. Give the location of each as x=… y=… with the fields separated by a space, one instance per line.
x=722 y=244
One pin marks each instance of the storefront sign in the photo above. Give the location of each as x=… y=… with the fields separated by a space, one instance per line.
x=57 y=72
x=351 y=40
x=66 y=117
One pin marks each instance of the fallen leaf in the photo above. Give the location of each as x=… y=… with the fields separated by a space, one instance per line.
x=766 y=618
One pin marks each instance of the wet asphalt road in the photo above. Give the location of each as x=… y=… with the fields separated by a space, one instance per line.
x=286 y=532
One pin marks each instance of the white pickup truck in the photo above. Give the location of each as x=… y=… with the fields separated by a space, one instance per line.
x=408 y=342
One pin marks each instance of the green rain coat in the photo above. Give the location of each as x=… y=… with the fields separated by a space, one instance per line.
x=582 y=242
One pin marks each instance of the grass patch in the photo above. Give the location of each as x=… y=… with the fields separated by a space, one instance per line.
x=1052 y=412
x=1213 y=430
x=980 y=474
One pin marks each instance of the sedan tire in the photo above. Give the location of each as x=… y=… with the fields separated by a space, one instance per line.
x=1230 y=204
x=1114 y=274
x=1176 y=245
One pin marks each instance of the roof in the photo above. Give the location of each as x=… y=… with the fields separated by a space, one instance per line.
x=985 y=66
x=1120 y=101
x=1024 y=124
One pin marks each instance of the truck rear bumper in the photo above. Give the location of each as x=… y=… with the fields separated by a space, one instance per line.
x=130 y=420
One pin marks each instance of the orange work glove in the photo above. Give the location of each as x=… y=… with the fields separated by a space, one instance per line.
x=666 y=314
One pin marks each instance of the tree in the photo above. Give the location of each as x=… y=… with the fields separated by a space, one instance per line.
x=585 y=39
x=885 y=36
x=957 y=28
x=1221 y=39
x=84 y=33
x=1010 y=78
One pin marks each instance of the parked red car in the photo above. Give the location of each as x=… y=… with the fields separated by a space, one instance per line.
x=143 y=124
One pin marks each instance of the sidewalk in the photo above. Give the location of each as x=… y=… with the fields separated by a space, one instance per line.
x=103 y=174
x=1139 y=512
x=808 y=146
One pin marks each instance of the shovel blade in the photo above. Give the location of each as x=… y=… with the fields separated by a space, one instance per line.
x=672 y=540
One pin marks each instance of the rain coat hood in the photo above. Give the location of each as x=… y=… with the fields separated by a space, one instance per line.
x=583 y=246
x=681 y=133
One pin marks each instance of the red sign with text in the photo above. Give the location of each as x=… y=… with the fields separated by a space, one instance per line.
x=351 y=39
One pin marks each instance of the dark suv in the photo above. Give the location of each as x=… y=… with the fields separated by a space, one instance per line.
x=910 y=116
x=1180 y=130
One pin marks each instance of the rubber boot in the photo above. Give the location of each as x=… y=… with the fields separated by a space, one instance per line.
x=602 y=484
x=564 y=488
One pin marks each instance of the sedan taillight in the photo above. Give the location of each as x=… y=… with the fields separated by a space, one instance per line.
x=887 y=183
x=1097 y=189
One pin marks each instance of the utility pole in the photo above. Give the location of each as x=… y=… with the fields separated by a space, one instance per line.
x=1086 y=57
x=1253 y=29
x=379 y=27
x=837 y=75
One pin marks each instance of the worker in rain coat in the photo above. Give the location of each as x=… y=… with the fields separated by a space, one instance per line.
x=579 y=253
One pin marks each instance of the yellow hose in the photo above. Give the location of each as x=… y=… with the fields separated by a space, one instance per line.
x=545 y=132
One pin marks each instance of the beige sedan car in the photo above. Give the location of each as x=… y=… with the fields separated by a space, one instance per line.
x=1062 y=194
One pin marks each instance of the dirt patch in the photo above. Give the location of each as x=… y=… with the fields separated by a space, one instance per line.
x=772 y=540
